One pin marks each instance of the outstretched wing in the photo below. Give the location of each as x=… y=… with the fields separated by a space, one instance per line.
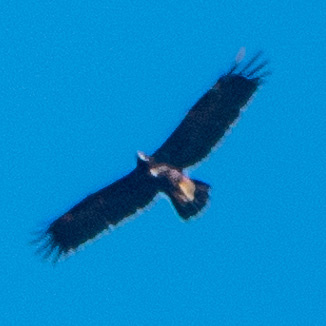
x=209 y=119
x=98 y=212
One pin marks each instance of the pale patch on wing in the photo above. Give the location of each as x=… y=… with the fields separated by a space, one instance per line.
x=158 y=170
x=154 y=172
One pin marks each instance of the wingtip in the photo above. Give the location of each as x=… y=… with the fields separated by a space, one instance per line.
x=252 y=70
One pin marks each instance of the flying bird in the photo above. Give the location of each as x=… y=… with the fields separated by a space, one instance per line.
x=163 y=171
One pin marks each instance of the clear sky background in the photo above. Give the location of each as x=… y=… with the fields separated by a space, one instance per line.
x=85 y=84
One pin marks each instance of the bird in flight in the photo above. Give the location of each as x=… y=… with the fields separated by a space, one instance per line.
x=163 y=171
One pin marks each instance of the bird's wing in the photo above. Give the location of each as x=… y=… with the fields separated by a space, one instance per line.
x=209 y=119
x=97 y=212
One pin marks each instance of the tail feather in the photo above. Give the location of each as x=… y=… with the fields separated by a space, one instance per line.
x=187 y=202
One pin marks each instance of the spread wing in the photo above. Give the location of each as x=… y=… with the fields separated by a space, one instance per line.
x=97 y=213
x=209 y=119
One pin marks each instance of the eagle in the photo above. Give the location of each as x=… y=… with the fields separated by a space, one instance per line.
x=163 y=171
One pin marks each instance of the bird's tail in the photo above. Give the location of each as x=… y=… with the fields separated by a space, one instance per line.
x=190 y=197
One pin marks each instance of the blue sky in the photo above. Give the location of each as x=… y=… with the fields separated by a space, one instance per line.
x=84 y=85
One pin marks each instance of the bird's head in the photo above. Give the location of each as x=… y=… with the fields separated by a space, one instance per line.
x=143 y=157
x=152 y=168
x=144 y=160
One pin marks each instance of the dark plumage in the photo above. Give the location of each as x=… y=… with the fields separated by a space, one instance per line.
x=209 y=119
x=201 y=129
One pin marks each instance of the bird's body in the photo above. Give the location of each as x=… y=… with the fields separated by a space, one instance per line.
x=204 y=125
x=187 y=195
